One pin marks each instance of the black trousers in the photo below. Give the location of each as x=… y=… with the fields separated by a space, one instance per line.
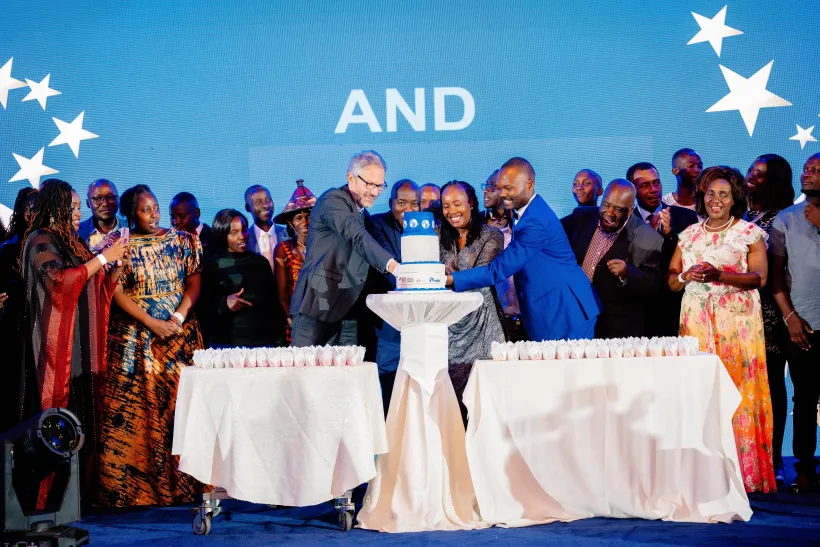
x=308 y=331
x=776 y=371
x=804 y=367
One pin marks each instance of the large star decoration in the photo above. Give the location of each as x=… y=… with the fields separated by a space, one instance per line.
x=32 y=169
x=804 y=136
x=40 y=91
x=748 y=95
x=713 y=30
x=72 y=133
x=7 y=82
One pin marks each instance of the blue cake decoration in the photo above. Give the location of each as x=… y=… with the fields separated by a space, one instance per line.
x=419 y=224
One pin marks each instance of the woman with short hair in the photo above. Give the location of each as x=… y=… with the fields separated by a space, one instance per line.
x=720 y=263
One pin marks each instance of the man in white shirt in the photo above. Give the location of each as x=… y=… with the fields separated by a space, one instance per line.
x=264 y=235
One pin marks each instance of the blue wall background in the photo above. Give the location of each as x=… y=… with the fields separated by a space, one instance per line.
x=210 y=96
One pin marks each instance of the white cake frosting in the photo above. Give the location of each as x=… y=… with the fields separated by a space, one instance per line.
x=421 y=269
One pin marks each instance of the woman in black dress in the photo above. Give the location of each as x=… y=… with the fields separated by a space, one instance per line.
x=240 y=304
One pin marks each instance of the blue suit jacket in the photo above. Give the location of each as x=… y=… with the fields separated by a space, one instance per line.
x=385 y=230
x=554 y=294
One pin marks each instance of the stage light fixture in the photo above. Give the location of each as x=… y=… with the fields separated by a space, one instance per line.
x=46 y=445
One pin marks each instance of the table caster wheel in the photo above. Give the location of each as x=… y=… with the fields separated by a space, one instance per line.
x=202 y=523
x=216 y=509
x=345 y=521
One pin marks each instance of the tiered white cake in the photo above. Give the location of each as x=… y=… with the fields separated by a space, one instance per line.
x=420 y=269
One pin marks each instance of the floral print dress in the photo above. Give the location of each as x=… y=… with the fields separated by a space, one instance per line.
x=728 y=322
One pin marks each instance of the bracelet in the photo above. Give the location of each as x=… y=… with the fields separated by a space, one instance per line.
x=179 y=317
x=786 y=319
x=681 y=279
x=102 y=259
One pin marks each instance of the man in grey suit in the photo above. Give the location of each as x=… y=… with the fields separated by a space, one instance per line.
x=339 y=252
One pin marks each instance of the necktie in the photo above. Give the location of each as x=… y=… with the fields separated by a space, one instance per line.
x=515 y=215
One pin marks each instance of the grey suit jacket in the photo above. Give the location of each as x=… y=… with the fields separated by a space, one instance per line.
x=339 y=252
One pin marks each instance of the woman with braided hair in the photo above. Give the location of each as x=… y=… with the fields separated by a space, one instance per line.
x=152 y=337
x=69 y=296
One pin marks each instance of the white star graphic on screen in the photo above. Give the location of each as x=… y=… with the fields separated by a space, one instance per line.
x=5 y=214
x=804 y=136
x=7 y=82
x=32 y=169
x=72 y=133
x=748 y=95
x=40 y=91
x=713 y=30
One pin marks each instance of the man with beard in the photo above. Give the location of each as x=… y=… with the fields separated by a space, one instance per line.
x=264 y=235
x=621 y=256
x=103 y=200
x=555 y=297
x=668 y=221
x=339 y=254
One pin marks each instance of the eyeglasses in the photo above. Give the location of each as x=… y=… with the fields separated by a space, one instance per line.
x=111 y=198
x=489 y=187
x=373 y=186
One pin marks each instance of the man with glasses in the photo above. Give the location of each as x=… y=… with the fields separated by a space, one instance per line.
x=339 y=254
x=103 y=200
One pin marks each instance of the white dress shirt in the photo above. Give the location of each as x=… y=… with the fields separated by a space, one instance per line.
x=520 y=212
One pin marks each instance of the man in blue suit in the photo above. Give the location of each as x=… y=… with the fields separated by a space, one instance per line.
x=554 y=294
x=386 y=229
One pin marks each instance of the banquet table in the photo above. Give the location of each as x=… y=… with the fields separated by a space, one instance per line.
x=293 y=436
x=647 y=437
x=423 y=482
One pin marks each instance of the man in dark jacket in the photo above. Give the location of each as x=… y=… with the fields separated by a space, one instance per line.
x=339 y=253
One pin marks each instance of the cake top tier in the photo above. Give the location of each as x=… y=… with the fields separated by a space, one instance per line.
x=419 y=224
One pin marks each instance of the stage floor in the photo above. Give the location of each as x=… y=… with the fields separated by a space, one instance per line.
x=779 y=519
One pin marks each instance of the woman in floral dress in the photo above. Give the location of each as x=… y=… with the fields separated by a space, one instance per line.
x=720 y=263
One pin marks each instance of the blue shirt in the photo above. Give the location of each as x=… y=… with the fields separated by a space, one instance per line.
x=794 y=238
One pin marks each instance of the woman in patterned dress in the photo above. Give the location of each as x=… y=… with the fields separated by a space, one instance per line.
x=468 y=242
x=290 y=254
x=720 y=263
x=151 y=339
x=769 y=180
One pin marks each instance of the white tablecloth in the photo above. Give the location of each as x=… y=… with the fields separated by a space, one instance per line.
x=646 y=437
x=284 y=436
x=423 y=482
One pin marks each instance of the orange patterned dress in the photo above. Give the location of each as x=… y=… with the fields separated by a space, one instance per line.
x=293 y=264
x=139 y=398
x=728 y=321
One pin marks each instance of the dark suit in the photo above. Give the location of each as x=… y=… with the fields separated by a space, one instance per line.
x=205 y=236
x=386 y=231
x=623 y=304
x=666 y=314
x=339 y=254
x=554 y=295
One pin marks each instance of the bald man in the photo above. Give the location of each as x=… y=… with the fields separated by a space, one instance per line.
x=587 y=187
x=621 y=255
x=554 y=295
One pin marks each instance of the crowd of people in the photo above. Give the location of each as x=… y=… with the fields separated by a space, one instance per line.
x=101 y=316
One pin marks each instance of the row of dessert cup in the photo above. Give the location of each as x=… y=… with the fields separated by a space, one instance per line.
x=310 y=356
x=667 y=346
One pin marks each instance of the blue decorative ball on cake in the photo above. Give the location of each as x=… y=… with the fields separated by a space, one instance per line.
x=419 y=224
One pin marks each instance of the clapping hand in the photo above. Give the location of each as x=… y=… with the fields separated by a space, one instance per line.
x=617 y=267
x=236 y=302
x=665 y=220
x=703 y=273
